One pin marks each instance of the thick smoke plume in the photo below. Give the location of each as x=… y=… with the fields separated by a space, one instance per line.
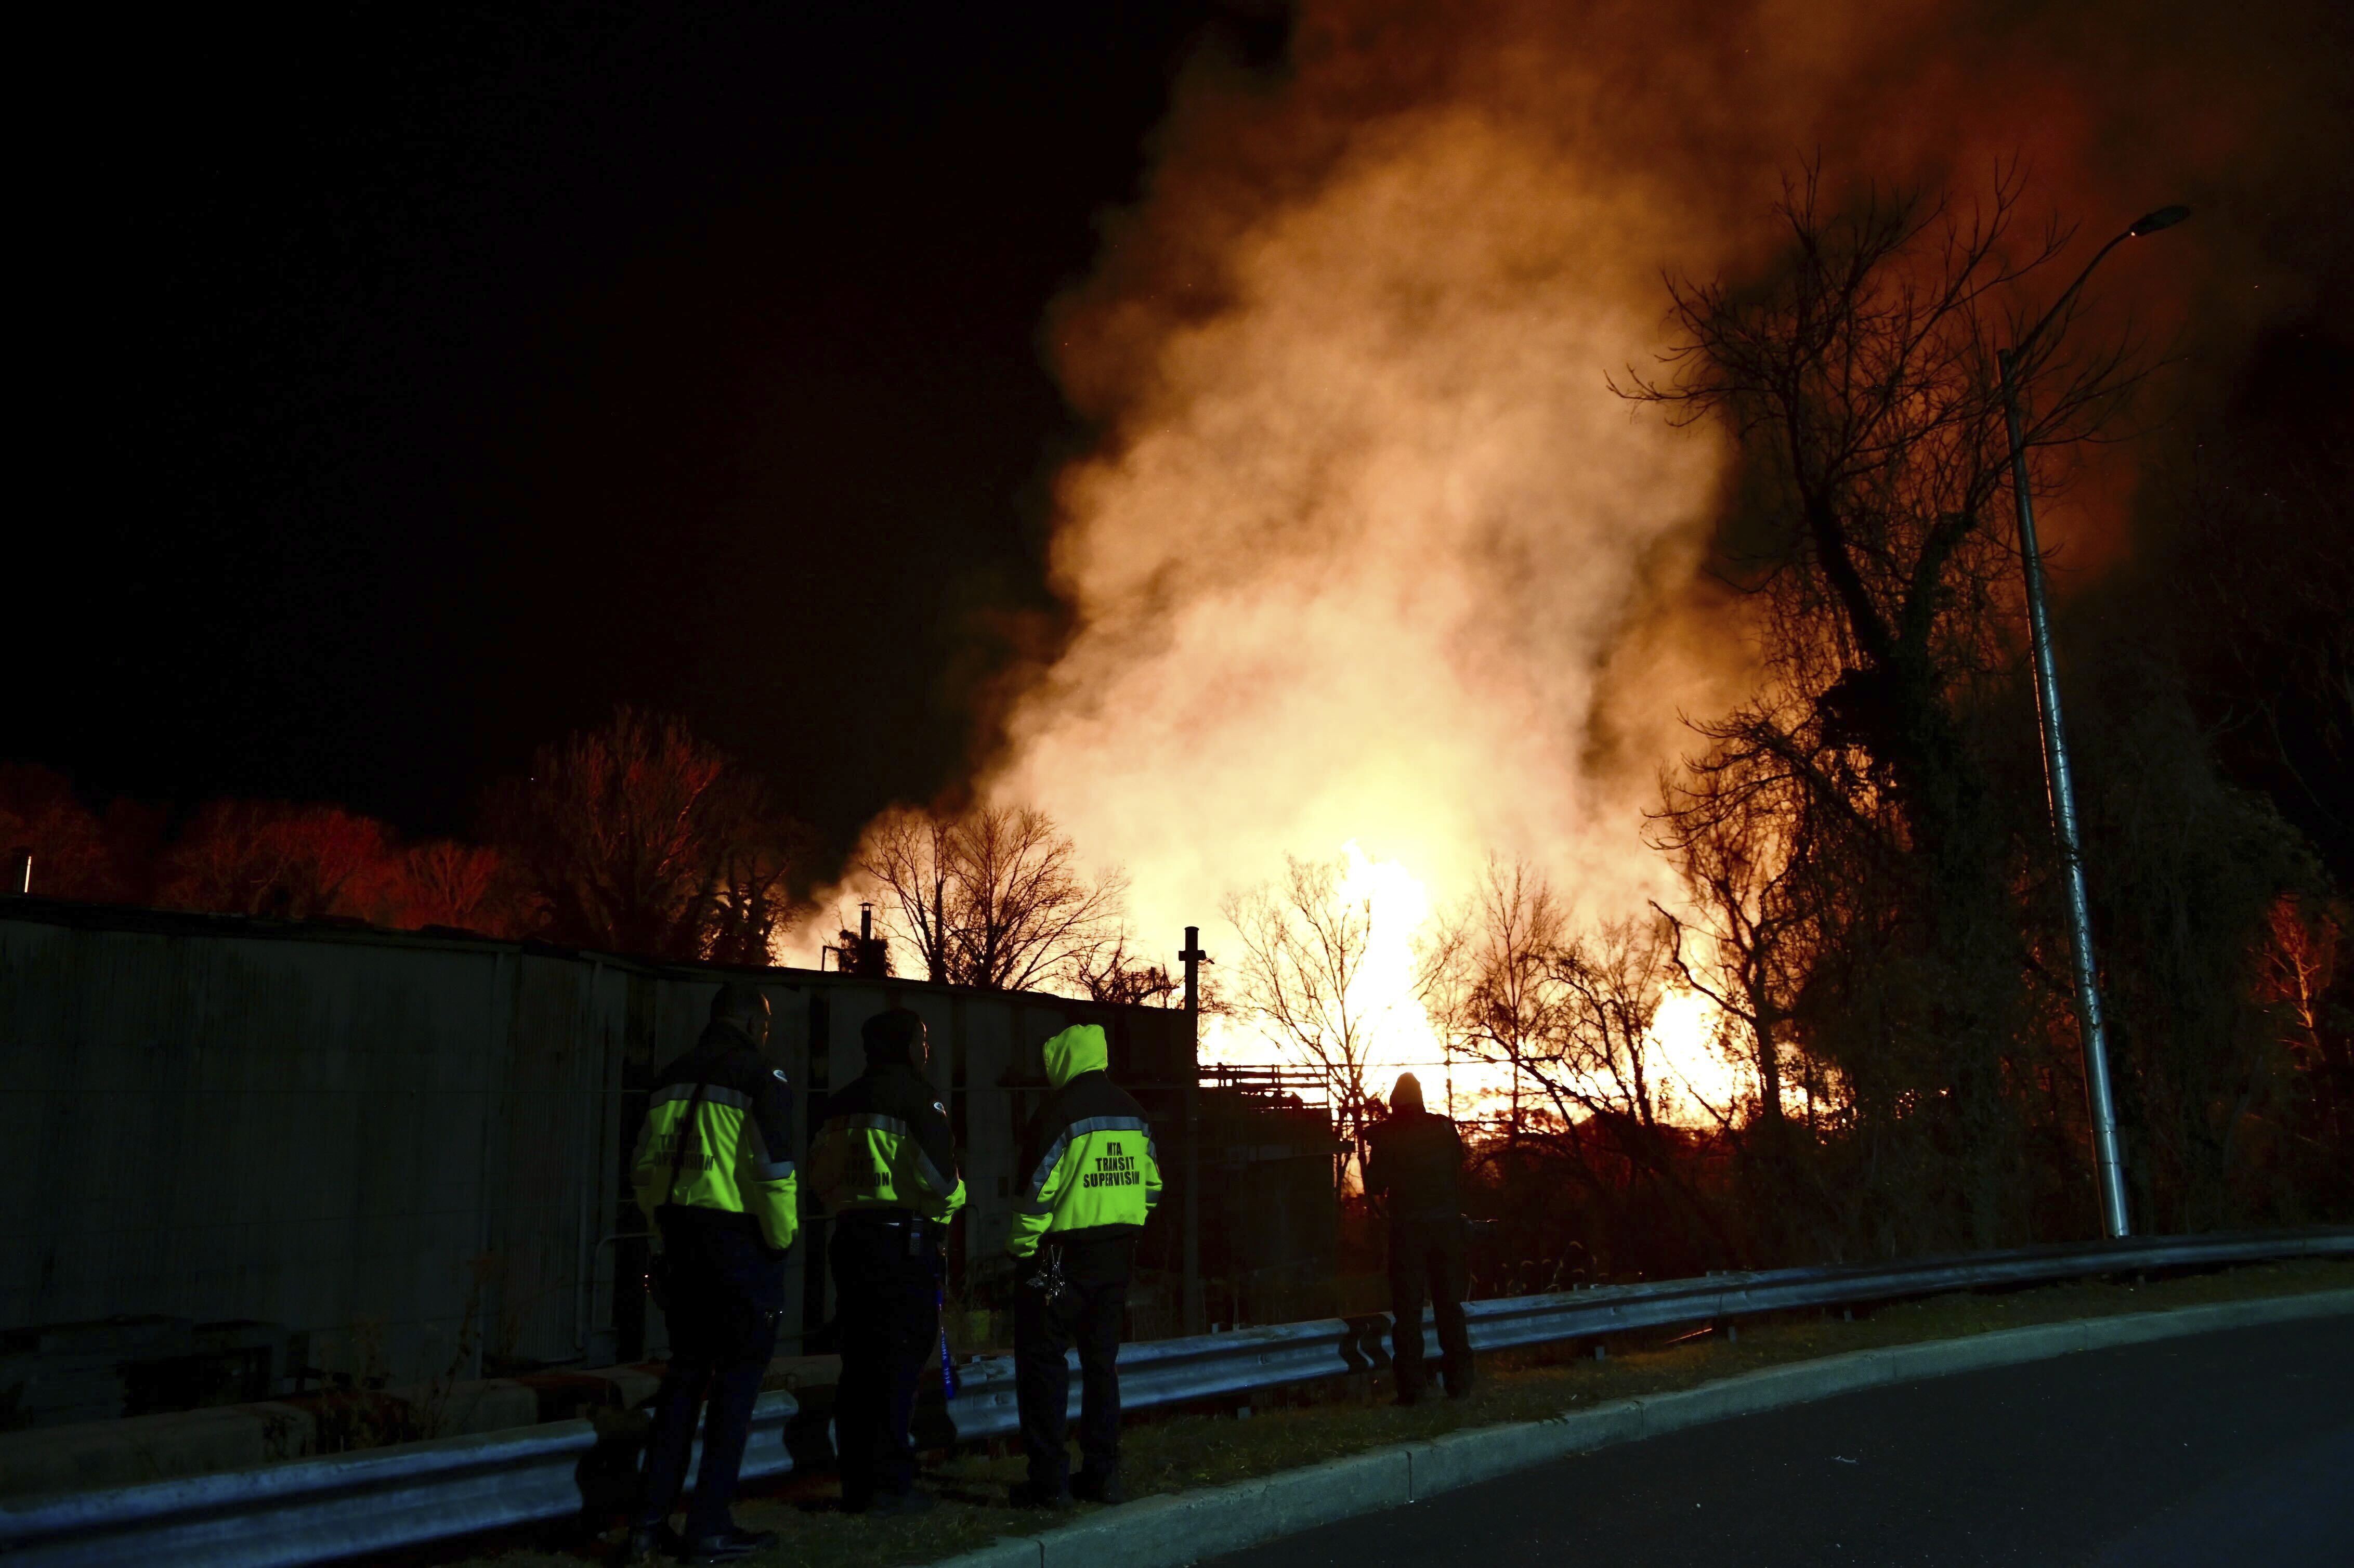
x=1356 y=566
x=1370 y=555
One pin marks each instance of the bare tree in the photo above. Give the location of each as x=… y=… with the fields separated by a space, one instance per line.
x=1859 y=376
x=1860 y=381
x=1572 y=1017
x=445 y=883
x=2297 y=966
x=41 y=816
x=1603 y=1057
x=1488 y=977
x=296 y=862
x=1112 y=972
x=1304 y=947
x=751 y=894
x=995 y=898
x=639 y=838
x=1739 y=840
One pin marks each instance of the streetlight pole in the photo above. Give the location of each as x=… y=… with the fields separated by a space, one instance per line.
x=2058 y=778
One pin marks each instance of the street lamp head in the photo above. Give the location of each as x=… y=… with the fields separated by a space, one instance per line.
x=2164 y=217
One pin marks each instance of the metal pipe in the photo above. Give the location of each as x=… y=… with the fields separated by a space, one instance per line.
x=1193 y=957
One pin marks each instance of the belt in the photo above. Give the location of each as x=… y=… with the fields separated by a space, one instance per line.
x=888 y=1219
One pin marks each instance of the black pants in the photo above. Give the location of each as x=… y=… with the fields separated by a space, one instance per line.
x=1427 y=1255
x=727 y=1290
x=1091 y=1315
x=885 y=1302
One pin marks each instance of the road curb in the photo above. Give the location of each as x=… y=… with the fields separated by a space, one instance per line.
x=1180 y=1528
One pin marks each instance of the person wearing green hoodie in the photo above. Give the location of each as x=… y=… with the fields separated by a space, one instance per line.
x=1087 y=1180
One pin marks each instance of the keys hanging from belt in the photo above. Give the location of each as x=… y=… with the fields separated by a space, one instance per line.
x=1049 y=1279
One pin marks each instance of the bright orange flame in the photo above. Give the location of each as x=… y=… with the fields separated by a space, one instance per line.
x=1375 y=559
x=1370 y=555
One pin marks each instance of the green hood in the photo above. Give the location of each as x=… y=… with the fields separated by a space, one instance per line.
x=1078 y=1049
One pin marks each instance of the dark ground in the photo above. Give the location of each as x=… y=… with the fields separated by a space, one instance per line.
x=2222 y=1448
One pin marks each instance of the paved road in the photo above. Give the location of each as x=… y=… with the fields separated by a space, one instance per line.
x=2218 y=1449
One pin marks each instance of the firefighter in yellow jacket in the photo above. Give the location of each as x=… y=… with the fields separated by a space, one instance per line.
x=884 y=1166
x=714 y=1173
x=1087 y=1179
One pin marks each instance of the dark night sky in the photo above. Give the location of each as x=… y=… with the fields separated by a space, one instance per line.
x=411 y=385
x=424 y=384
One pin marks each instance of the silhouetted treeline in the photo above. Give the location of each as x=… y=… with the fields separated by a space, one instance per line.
x=1874 y=894
x=633 y=837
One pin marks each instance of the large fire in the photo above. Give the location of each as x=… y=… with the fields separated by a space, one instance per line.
x=1374 y=566
x=1370 y=560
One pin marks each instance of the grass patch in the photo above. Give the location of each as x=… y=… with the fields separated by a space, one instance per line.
x=1287 y=1429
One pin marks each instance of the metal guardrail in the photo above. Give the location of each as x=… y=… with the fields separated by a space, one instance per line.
x=310 y=1510
x=344 y=1505
x=1537 y=1320
x=1175 y=1371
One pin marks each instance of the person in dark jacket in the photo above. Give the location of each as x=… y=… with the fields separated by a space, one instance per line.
x=714 y=1173
x=1088 y=1178
x=884 y=1167
x=1415 y=1165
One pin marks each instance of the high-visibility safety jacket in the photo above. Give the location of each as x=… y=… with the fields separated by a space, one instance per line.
x=739 y=1152
x=885 y=1144
x=1089 y=1169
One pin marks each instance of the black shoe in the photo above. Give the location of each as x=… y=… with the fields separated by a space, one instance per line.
x=649 y=1544
x=728 y=1545
x=886 y=1504
x=1030 y=1494
x=1409 y=1396
x=1458 y=1391
x=1101 y=1488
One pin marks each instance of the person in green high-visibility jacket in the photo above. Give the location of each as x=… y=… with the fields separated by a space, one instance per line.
x=713 y=1172
x=885 y=1165
x=1088 y=1179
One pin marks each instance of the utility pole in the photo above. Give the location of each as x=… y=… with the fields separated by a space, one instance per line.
x=2059 y=780
x=1196 y=1318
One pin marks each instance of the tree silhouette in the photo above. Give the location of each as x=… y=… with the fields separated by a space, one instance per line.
x=295 y=863
x=994 y=898
x=638 y=838
x=1304 y=946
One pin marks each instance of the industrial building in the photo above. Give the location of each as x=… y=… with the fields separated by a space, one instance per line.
x=248 y=1152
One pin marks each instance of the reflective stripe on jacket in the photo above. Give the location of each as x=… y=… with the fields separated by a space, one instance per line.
x=885 y=1144
x=1089 y=1167
x=738 y=1157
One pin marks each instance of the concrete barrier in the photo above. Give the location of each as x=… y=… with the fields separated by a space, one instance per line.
x=135 y=1449
x=153 y=1447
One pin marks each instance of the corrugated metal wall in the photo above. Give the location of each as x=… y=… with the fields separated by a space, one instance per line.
x=367 y=1134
